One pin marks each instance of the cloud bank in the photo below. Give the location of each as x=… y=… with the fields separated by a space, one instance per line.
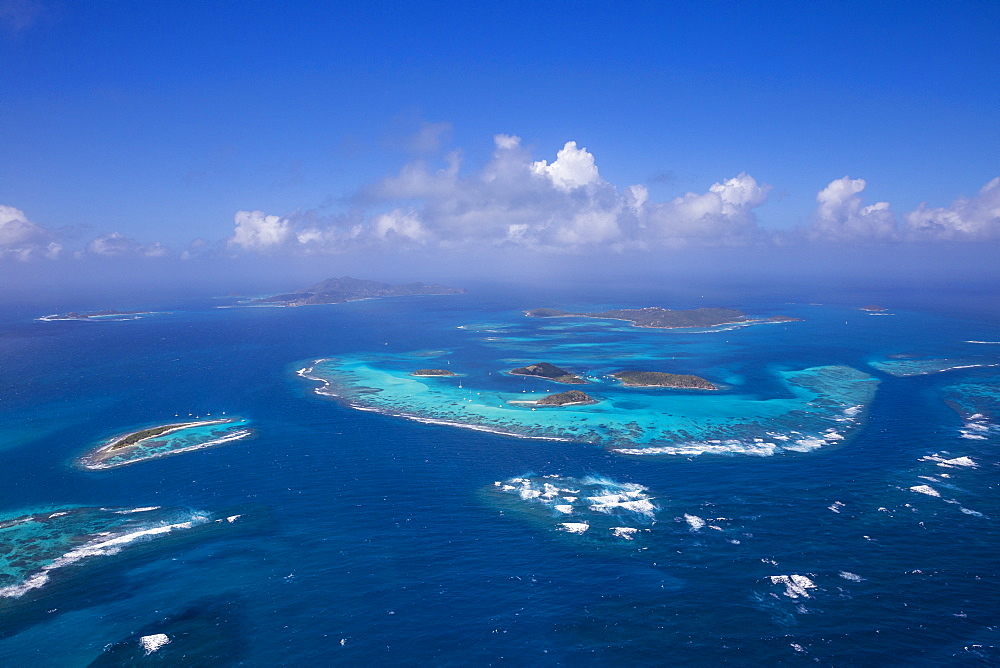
x=515 y=201
x=565 y=206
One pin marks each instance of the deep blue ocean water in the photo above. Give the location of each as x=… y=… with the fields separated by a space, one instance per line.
x=365 y=537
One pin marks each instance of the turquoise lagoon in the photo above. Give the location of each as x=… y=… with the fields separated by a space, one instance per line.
x=787 y=409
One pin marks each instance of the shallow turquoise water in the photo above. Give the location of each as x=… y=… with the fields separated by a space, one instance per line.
x=177 y=442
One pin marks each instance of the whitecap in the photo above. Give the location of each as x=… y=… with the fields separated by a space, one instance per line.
x=628 y=533
x=564 y=509
x=144 y=509
x=925 y=489
x=966 y=462
x=574 y=527
x=694 y=521
x=796 y=586
x=153 y=642
x=853 y=577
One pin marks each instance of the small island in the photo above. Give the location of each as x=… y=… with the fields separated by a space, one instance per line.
x=433 y=372
x=166 y=439
x=661 y=379
x=568 y=398
x=345 y=289
x=93 y=315
x=654 y=316
x=548 y=372
x=663 y=318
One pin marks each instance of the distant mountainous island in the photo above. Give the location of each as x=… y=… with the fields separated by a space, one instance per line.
x=662 y=318
x=345 y=289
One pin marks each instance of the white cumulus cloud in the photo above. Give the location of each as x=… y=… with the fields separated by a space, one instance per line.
x=572 y=168
x=117 y=244
x=22 y=239
x=515 y=200
x=255 y=230
x=841 y=215
x=973 y=219
x=722 y=216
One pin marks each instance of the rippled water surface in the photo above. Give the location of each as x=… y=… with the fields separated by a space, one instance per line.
x=835 y=500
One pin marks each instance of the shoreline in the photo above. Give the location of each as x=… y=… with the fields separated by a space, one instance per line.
x=711 y=328
x=94 y=460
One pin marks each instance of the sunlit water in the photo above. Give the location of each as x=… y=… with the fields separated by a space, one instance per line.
x=344 y=535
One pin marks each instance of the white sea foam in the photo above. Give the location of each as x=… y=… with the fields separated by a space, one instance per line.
x=233 y=518
x=796 y=586
x=628 y=533
x=564 y=509
x=850 y=576
x=989 y=343
x=129 y=511
x=807 y=444
x=836 y=506
x=966 y=462
x=608 y=502
x=969 y=511
x=925 y=489
x=100 y=546
x=694 y=521
x=154 y=642
x=693 y=448
x=575 y=527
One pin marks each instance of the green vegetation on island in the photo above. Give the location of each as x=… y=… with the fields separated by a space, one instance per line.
x=549 y=372
x=433 y=372
x=654 y=316
x=663 y=318
x=570 y=397
x=661 y=379
x=137 y=436
x=106 y=313
x=163 y=440
x=345 y=289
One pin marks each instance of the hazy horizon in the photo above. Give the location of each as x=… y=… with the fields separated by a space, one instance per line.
x=436 y=144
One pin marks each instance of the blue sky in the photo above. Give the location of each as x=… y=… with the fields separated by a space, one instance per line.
x=342 y=129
